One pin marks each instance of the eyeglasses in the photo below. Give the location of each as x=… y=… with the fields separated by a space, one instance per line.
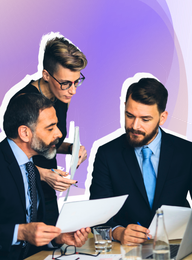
x=66 y=252
x=67 y=84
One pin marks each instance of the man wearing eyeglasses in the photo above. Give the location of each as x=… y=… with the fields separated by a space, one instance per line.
x=61 y=77
x=30 y=124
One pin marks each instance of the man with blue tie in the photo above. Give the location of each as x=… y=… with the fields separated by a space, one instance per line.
x=153 y=167
x=30 y=124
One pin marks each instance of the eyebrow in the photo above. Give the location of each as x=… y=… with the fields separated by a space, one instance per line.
x=53 y=124
x=63 y=81
x=128 y=113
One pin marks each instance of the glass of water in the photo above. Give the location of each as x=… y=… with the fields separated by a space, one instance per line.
x=131 y=252
x=103 y=238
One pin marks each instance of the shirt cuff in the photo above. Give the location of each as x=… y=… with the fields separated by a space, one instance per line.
x=113 y=230
x=15 y=234
x=53 y=244
x=50 y=245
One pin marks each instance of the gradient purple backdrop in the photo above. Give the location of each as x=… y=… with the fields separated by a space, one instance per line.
x=119 y=38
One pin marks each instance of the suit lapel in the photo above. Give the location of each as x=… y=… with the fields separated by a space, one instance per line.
x=14 y=170
x=165 y=160
x=134 y=169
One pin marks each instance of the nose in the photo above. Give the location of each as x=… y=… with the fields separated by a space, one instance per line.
x=58 y=133
x=72 y=89
x=136 y=124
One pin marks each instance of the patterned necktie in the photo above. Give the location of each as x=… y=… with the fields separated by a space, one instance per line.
x=148 y=174
x=33 y=195
x=32 y=190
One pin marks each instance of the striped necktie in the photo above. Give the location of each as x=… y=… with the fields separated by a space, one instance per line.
x=32 y=190
x=33 y=196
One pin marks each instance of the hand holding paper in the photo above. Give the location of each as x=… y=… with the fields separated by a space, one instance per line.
x=82 y=155
x=77 y=238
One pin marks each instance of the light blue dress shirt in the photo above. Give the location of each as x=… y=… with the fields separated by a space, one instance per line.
x=155 y=147
x=22 y=159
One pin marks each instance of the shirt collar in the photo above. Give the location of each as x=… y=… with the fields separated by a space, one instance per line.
x=20 y=156
x=154 y=145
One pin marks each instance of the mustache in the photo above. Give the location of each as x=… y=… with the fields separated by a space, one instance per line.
x=54 y=142
x=131 y=130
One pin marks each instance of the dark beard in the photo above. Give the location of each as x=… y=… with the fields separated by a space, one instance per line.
x=146 y=139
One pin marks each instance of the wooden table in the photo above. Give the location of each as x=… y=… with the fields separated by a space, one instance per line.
x=89 y=248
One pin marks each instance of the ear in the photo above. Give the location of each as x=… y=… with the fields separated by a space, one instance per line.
x=25 y=134
x=163 y=117
x=45 y=75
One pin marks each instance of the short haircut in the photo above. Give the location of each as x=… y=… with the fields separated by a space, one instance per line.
x=24 y=110
x=149 y=91
x=60 y=51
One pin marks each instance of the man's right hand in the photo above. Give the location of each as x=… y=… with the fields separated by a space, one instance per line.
x=56 y=180
x=132 y=234
x=37 y=234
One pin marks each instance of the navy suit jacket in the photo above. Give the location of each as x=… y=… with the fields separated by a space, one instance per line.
x=117 y=172
x=12 y=203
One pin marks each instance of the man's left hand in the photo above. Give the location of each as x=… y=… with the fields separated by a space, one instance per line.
x=77 y=238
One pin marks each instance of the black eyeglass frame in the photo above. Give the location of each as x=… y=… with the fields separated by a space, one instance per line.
x=70 y=82
x=64 y=253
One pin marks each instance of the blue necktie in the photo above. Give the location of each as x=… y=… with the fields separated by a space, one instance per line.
x=148 y=174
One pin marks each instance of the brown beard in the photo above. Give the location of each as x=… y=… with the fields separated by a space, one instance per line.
x=146 y=139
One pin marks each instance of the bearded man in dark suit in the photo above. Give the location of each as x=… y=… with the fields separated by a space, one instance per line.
x=30 y=123
x=153 y=167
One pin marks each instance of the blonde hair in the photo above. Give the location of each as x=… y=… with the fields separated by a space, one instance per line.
x=60 y=51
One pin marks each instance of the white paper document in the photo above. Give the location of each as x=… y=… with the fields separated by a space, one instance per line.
x=75 y=152
x=175 y=218
x=88 y=213
x=72 y=257
x=86 y=257
x=74 y=157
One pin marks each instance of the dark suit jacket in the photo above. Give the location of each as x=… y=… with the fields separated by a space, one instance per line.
x=12 y=203
x=117 y=172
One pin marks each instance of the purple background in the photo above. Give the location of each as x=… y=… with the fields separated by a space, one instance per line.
x=119 y=38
